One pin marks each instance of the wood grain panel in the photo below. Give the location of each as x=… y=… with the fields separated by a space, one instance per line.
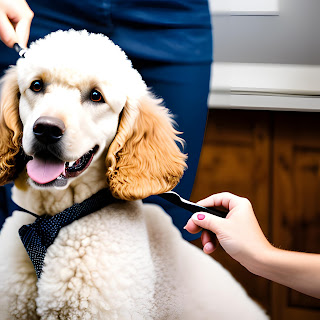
x=272 y=158
x=236 y=158
x=296 y=205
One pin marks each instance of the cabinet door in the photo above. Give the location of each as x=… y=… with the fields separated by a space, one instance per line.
x=236 y=158
x=296 y=203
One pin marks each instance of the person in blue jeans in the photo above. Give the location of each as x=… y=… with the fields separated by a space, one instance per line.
x=168 y=41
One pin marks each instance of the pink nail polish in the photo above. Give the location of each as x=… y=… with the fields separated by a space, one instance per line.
x=201 y=216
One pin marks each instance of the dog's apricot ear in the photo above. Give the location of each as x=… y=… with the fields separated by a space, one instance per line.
x=144 y=158
x=10 y=126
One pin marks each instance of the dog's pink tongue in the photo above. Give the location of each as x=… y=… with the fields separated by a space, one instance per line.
x=44 y=171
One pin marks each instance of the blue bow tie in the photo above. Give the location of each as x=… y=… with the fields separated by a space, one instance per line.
x=39 y=235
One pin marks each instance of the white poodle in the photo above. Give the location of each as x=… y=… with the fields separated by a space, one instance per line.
x=76 y=119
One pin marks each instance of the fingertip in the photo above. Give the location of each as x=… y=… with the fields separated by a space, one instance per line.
x=209 y=248
x=200 y=202
x=191 y=227
x=9 y=39
x=23 y=31
x=7 y=33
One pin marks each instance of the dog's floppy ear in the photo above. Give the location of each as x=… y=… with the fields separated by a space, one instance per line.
x=10 y=126
x=144 y=158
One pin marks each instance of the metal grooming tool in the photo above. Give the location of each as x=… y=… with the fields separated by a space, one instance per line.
x=176 y=199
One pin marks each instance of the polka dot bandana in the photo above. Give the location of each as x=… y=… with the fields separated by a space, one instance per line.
x=38 y=236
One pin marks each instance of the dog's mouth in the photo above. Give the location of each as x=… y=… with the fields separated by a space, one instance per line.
x=46 y=170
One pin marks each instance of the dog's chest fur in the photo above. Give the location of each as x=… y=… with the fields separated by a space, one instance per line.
x=100 y=267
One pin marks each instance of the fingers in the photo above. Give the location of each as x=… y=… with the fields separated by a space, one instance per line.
x=23 y=31
x=208 y=238
x=209 y=241
x=7 y=32
x=207 y=221
x=196 y=223
x=15 y=21
x=224 y=199
x=192 y=227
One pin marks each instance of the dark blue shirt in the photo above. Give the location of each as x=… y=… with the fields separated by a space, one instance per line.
x=174 y=31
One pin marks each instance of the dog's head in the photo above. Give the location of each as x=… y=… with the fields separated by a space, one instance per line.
x=75 y=98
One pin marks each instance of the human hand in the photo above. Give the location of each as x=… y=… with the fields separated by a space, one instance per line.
x=239 y=233
x=15 y=22
x=241 y=237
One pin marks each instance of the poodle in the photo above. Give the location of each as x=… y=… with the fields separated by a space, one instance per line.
x=77 y=119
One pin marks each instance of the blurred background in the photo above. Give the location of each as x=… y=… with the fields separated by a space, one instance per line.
x=263 y=133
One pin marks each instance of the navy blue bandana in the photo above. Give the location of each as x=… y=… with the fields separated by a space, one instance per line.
x=39 y=235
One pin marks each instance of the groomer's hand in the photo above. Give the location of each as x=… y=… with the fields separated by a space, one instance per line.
x=239 y=233
x=241 y=237
x=15 y=22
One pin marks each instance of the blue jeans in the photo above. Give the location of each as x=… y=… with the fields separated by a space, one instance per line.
x=168 y=42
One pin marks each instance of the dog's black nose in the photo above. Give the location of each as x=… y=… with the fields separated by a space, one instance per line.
x=48 y=130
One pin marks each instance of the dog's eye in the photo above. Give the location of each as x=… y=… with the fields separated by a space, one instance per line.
x=96 y=96
x=36 y=86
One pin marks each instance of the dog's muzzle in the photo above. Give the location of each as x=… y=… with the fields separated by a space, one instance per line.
x=48 y=130
x=47 y=168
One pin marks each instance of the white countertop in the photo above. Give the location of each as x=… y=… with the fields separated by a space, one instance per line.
x=265 y=86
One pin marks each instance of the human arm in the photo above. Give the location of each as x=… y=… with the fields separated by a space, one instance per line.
x=15 y=22
x=242 y=238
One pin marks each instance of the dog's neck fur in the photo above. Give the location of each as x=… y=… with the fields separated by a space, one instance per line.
x=51 y=200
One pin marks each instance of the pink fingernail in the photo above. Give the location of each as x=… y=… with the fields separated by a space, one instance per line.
x=209 y=247
x=201 y=216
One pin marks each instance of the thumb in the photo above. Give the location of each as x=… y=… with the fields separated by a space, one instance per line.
x=208 y=221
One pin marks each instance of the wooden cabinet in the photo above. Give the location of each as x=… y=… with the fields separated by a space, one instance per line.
x=272 y=158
